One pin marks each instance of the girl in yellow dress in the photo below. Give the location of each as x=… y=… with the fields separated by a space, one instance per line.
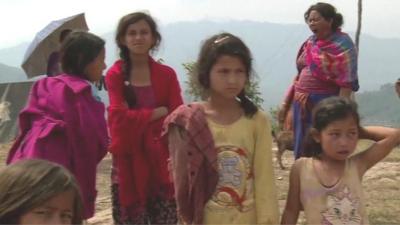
x=220 y=149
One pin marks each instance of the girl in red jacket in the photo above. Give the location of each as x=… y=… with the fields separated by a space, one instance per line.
x=142 y=92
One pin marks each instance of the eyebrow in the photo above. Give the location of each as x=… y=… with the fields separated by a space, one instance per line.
x=52 y=208
x=338 y=129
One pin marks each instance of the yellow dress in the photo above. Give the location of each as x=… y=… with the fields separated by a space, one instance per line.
x=246 y=191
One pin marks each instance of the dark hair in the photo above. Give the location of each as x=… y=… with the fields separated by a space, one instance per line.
x=225 y=44
x=328 y=12
x=78 y=50
x=63 y=34
x=325 y=112
x=123 y=25
x=28 y=184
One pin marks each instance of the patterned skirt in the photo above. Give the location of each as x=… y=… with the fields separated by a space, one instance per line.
x=157 y=210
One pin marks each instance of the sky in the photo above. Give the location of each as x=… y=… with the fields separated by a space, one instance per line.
x=20 y=20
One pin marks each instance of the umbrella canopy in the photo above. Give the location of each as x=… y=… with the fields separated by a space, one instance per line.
x=46 y=41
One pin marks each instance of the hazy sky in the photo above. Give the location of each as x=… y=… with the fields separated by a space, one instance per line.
x=20 y=20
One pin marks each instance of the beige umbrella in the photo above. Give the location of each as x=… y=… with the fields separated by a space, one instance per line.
x=46 y=41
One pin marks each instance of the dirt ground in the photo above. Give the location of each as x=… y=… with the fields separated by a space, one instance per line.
x=381 y=187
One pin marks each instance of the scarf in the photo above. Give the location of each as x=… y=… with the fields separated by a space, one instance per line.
x=334 y=59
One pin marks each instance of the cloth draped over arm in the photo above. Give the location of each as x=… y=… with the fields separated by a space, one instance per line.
x=193 y=161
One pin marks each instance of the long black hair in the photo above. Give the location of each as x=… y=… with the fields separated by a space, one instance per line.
x=78 y=50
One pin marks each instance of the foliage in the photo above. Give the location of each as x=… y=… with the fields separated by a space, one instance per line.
x=273 y=111
x=198 y=93
x=193 y=87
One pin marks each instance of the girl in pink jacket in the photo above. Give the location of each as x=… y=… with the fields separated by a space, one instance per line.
x=64 y=119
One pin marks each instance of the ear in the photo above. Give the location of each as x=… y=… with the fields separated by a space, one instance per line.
x=122 y=41
x=330 y=22
x=153 y=42
x=315 y=134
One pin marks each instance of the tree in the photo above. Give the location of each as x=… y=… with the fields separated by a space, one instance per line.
x=198 y=93
x=273 y=112
x=358 y=32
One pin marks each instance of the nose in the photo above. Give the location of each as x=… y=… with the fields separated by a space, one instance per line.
x=343 y=140
x=233 y=78
x=138 y=36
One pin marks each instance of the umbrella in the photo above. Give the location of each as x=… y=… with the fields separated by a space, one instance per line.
x=46 y=41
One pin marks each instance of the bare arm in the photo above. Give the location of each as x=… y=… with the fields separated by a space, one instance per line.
x=345 y=92
x=158 y=113
x=293 y=204
x=386 y=139
x=287 y=103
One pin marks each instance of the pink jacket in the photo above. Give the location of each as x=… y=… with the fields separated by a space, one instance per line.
x=64 y=123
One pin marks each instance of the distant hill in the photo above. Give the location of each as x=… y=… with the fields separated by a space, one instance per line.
x=274 y=47
x=13 y=56
x=380 y=107
x=11 y=74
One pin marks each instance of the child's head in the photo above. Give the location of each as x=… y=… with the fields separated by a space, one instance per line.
x=63 y=34
x=138 y=33
x=334 y=130
x=83 y=54
x=224 y=65
x=39 y=191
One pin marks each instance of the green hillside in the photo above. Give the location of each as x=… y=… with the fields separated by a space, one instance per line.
x=380 y=107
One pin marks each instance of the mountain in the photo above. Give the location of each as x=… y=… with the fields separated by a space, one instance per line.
x=380 y=107
x=274 y=48
x=13 y=56
x=11 y=74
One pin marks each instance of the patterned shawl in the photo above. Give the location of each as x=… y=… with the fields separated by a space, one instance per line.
x=334 y=59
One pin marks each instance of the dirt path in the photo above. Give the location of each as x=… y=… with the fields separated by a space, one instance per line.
x=381 y=187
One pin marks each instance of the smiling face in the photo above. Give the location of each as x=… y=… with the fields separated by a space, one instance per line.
x=228 y=77
x=57 y=210
x=321 y=27
x=339 y=138
x=138 y=38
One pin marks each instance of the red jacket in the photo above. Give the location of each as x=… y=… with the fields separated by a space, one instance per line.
x=135 y=140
